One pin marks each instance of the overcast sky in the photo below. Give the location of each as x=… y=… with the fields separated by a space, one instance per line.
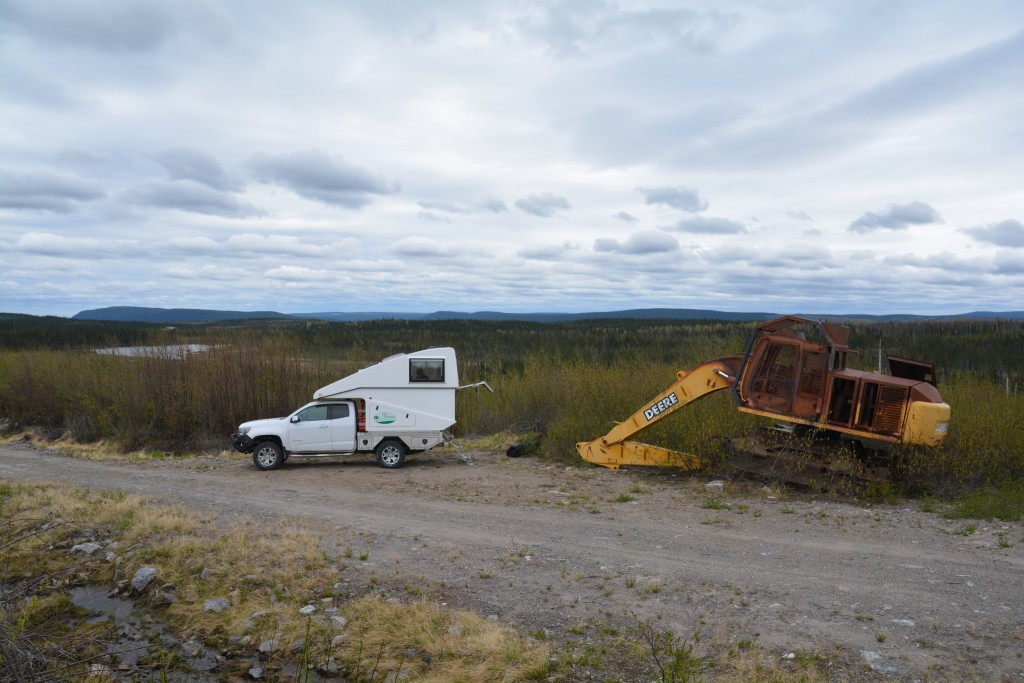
x=784 y=156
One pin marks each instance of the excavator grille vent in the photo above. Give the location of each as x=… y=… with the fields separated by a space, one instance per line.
x=889 y=415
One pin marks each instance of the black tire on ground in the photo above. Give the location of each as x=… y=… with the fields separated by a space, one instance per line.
x=268 y=455
x=391 y=454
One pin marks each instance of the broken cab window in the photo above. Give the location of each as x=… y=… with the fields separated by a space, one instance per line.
x=426 y=370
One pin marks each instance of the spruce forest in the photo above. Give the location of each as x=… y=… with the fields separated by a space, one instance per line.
x=565 y=382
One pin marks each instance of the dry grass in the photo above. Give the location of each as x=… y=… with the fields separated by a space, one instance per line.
x=462 y=645
x=266 y=574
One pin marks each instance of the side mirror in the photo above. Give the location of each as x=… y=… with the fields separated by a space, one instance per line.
x=295 y=418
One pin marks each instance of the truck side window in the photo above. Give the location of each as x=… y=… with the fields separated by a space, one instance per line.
x=338 y=411
x=426 y=370
x=313 y=413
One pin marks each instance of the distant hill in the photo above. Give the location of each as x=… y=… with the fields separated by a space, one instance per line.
x=181 y=315
x=143 y=314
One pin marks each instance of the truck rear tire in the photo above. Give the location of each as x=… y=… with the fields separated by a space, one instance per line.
x=268 y=455
x=391 y=454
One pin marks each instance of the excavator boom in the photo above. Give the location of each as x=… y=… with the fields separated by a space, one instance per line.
x=617 y=448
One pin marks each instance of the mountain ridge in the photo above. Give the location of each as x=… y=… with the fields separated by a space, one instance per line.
x=191 y=315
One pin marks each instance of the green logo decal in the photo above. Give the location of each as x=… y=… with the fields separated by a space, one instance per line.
x=384 y=418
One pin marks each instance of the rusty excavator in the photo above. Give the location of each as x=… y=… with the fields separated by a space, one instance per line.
x=825 y=411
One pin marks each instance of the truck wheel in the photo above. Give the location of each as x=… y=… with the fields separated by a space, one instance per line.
x=391 y=454
x=268 y=455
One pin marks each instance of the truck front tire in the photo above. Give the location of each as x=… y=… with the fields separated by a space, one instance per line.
x=268 y=455
x=391 y=454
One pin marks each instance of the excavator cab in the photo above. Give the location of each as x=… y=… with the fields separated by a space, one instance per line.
x=787 y=376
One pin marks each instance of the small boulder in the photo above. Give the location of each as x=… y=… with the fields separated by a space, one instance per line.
x=216 y=605
x=716 y=486
x=143 y=578
x=86 y=548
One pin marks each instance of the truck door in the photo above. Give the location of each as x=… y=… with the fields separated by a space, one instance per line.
x=343 y=427
x=312 y=432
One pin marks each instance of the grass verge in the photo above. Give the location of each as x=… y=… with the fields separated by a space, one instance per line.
x=262 y=577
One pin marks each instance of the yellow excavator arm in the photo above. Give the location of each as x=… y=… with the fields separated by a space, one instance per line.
x=617 y=448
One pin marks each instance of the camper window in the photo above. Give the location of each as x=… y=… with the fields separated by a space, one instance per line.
x=426 y=370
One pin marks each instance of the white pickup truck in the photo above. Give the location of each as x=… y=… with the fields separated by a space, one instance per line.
x=400 y=406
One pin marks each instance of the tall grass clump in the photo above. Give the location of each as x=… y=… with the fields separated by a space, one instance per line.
x=984 y=446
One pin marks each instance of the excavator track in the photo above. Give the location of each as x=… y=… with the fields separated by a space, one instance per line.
x=816 y=460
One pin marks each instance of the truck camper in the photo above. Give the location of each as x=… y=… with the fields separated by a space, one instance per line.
x=400 y=406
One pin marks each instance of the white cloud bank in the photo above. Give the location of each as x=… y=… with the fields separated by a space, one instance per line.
x=535 y=156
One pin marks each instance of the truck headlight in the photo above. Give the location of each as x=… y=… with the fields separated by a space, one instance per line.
x=244 y=430
x=941 y=427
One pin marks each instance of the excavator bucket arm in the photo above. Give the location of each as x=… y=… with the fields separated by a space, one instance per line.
x=617 y=448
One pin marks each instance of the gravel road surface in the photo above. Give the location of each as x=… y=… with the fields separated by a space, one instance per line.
x=891 y=592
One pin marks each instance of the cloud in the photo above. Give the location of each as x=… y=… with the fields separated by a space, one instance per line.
x=680 y=197
x=542 y=205
x=945 y=260
x=705 y=225
x=183 y=163
x=627 y=218
x=250 y=244
x=46 y=191
x=324 y=178
x=548 y=252
x=188 y=195
x=431 y=216
x=422 y=247
x=85 y=248
x=1010 y=263
x=113 y=26
x=582 y=29
x=645 y=242
x=1008 y=233
x=484 y=206
x=897 y=217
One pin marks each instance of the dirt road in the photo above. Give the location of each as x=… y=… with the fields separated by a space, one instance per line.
x=887 y=590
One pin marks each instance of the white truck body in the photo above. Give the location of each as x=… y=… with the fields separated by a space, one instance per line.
x=400 y=405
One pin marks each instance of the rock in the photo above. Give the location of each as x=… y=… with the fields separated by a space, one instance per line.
x=339 y=622
x=394 y=676
x=297 y=645
x=191 y=648
x=879 y=663
x=216 y=605
x=205 y=574
x=716 y=486
x=330 y=611
x=268 y=646
x=307 y=610
x=142 y=578
x=86 y=548
x=162 y=598
x=337 y=640
x=328 y=668
x=256 y=672
x=902 y=622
